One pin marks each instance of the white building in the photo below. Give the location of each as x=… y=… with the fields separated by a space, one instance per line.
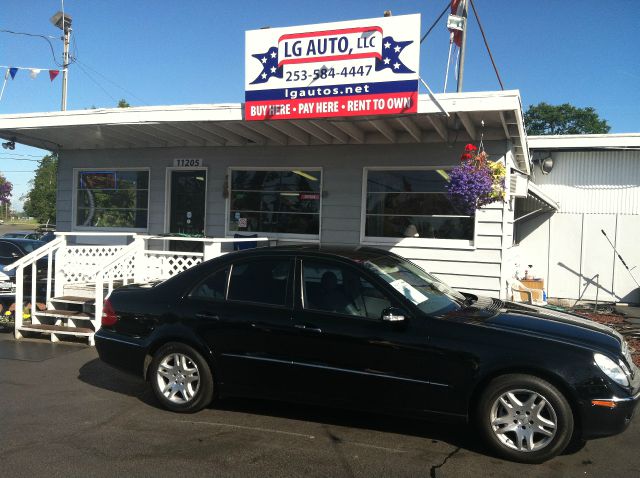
x=595 y=180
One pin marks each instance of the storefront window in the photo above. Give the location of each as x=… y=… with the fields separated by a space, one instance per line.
x=413 y=203
x=112 y=199
x=275 y=201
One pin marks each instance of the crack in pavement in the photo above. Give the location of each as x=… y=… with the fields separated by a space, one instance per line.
x=434 y=468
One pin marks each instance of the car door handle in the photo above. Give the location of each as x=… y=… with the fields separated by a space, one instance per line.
x=207 y=316
x=310 y=328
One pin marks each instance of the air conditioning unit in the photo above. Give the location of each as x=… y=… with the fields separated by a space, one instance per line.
x=518 y=184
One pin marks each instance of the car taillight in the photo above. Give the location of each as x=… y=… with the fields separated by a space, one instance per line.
x=109 y=316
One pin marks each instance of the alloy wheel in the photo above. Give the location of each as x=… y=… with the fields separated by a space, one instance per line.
x=523 y=420
x=178 y=378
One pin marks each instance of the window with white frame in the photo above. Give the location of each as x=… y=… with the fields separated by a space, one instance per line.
x=112 y=199
x=275 y=201
x=412 y=203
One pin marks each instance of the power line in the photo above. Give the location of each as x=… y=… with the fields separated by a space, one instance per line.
x=486 y=44
x=95 y=81
x=44 y=37
x=112 y=82
x=22 y=154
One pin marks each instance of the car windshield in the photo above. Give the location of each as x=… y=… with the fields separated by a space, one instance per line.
x=30 y=246
x=431 y=295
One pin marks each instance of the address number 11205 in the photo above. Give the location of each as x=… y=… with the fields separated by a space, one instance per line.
x=187 y=163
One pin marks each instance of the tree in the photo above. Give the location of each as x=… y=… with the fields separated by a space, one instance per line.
x=123 y=104
x=5 y=190
x=40 y=201
x=543 y=119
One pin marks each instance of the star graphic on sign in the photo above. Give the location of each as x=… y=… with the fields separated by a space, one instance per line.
x=392 y=55
x=270 y=67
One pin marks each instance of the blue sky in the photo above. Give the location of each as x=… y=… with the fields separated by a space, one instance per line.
x=168 y=52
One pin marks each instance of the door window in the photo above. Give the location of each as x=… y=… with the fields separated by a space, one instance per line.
x=213 y=287
x=331 y=287
x=10 y=251
x=263 y=281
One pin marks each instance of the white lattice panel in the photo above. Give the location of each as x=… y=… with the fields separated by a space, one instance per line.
x=163 y=266
x=79 y=263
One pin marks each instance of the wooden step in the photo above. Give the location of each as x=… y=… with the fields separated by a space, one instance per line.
x=73 y=299
x=57 y=329
x=63 y=314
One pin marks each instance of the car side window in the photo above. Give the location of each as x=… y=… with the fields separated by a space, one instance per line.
x=8 y=250
x=213 y=287
x=332 y=287
x=263 y=281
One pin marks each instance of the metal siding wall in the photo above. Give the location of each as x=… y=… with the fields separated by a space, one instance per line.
x=594 y=182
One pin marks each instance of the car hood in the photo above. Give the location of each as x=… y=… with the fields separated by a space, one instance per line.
x=545 y=323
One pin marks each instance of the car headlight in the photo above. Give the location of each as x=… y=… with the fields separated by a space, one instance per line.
x=611 y=369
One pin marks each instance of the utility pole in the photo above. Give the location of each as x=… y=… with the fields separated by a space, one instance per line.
x=463 y=46
x=63 y=22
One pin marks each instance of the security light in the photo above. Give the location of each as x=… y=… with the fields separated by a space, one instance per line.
x=11 y=144
x=61 y=21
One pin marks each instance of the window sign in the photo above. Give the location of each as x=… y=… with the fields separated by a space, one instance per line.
x=360 y=67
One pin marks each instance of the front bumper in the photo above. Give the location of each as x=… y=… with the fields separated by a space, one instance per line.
x=599 y=421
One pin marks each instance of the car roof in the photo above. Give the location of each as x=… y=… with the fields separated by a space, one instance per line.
x=21 y=240
x=355 y=254
x=10 y=233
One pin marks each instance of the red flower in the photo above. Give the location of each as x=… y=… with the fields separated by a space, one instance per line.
x=466 y=156
x=470 y=147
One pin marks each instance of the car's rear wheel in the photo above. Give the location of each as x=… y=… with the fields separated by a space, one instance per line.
x=524 y=418
x=181 y=378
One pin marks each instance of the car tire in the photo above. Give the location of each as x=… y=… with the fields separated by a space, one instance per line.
x=181 y=378
x=524 y=418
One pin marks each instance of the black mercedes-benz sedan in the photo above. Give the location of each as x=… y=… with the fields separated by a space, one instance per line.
x=367 y=329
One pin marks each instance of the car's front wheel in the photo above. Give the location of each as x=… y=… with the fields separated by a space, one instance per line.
x=525 y=418
x=181 y=378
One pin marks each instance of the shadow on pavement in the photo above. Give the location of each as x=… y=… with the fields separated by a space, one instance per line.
x=100 y=375
x=458 y=435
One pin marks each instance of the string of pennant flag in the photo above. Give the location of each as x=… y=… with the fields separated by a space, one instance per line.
x=12 y=71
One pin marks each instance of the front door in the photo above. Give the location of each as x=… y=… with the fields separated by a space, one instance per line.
x=345 y=352
x=187 y=208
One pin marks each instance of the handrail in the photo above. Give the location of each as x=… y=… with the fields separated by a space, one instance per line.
x=36 y=254
x=87 y=233
x=207 y=239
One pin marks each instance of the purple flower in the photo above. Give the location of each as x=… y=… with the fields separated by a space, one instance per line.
x=470 y=187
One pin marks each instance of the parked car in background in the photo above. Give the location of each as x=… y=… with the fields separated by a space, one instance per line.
x=367 y=329
x=12 y=249
x=22 y=235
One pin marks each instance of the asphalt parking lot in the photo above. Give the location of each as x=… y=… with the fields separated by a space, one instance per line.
x=64 y=413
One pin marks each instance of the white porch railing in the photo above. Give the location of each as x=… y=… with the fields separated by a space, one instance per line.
x=103 y=267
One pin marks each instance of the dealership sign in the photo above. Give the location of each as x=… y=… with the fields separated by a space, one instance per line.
x=362 y=67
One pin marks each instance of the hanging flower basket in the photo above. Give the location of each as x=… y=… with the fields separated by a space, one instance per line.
x=476 y=181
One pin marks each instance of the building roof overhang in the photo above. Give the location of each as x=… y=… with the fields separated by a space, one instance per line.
x=447 y=117
x=585 y=141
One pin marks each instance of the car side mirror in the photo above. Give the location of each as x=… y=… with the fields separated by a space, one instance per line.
x=392 y=314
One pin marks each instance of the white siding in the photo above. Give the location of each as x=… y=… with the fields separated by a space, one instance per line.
x=473 y=269
x=594 y=182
